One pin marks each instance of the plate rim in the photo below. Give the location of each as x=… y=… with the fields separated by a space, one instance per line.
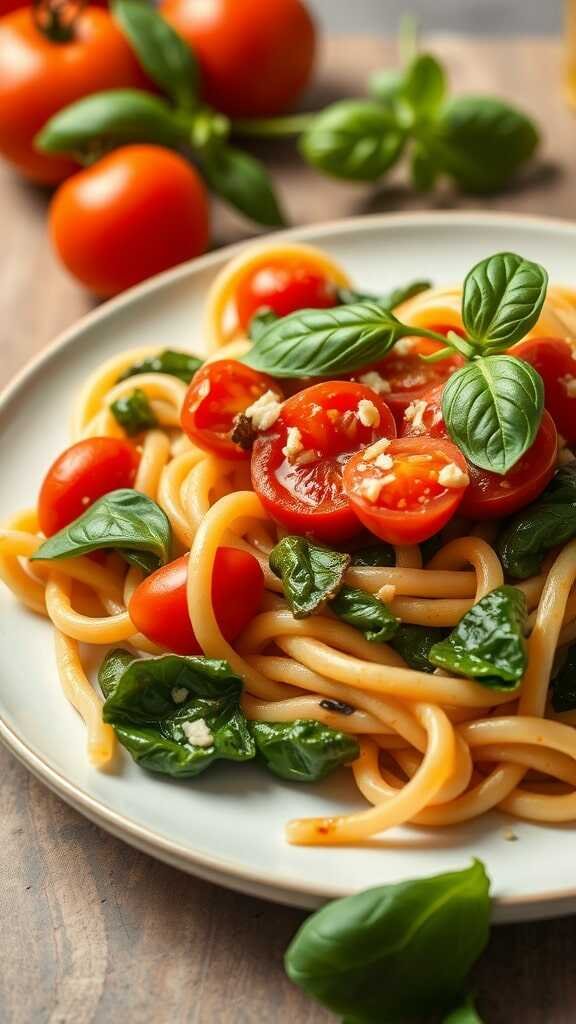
x=210 y=867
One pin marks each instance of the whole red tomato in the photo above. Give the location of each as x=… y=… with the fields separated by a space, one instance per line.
x=39 y=76
x=256 y=56
x=139 y=210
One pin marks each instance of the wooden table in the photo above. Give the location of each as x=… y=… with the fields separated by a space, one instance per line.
x=94 y=932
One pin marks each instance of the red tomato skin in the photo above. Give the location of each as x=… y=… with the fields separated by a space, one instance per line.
x=283 y=287
x=554 y=359
x=39 y=77
x=136 y=212
x=410 y=377
x=159 y=608
x=407 y=526
x=336 y=521
x=89 y=469
x=255 y=57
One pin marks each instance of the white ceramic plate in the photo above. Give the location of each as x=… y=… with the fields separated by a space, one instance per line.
x=228 y=825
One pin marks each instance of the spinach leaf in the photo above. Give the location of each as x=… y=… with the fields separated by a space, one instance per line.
x=502 y=299
x=125 y=520
x=153 y=703
x=492 y=408
x=112 y=668
x=465 y=1013
x=547 y=522
x=175 y=364
x=163 y=54
x=564 y=683
x=414 y=644
x=304 y=750
x=322 y=342
x=244 y=182
x=134 y=412
x=353 y=139
x=380 y=554
x=310 y=573
x=397 y=951
x=488 y=644
x=261 y=321
x=389 y=300
x=366 y=613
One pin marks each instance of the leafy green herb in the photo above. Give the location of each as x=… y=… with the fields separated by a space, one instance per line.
x=546 y=523
x=310 y=573
x=390 y=300
x=564 y=683
x=424 y=86
x=175 y=364
x=304 y=750
x=380 y=554
x=261 y=321
x=160 y=50
x=395 y=952
x=488 y=644
x=502 y=300
x=134 y=412
x=112 y=669
x=366 y=613
x=492 y=409
x=244 y=182
x=423 y=169
x=386 y=86
x=465 y=1013
x=125 y=520
x=414 y=644
x=353 y=139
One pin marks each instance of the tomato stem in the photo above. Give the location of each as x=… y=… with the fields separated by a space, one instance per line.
x=56 y=19
x=272 y=127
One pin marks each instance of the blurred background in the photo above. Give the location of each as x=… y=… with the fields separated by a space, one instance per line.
x=486 y=17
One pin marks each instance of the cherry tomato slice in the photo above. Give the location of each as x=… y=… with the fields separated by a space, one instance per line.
x=159 y=609
x=406 y=494
x=555 y=360
x=408 y=376
x=80 y=475
x=303 y=490
x=218 y=393
x=283 y=286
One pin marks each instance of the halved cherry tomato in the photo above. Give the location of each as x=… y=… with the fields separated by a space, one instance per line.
x=491 y=496
x=408 y=376
x=555 y=360
x=80 y=475
x=303 y=490
x=283 y=286
x=159 y=608
x=218 y=393
x=398 y=495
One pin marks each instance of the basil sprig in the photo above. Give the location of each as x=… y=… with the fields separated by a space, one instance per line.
x=303 y=750
x=547 y=522
x=366 y=613
x=414 y=644
x=182 y=365
x=124 y=520
x=134 y=412
x=310 y=573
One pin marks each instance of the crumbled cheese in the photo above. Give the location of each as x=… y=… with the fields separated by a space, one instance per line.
x=414 y=414
x=384 y=461
x=370 y=488
x=376 y=449
x=374 y=381
x=368 y=413
x=293 y=445
x=264 y=411
x=306 y=457
x=404 y=347
x=452 y=476
x=333 y=415
x=179 y=694
x=388 y=479
x=569 y=383
x=386 y=593
x=197 y=733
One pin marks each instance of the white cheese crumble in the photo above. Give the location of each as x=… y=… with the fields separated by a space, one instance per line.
x=452 y=476
x=374 y=381
x=306 y=457
x=293 y=445
x=376 y=449
x=404 y=347
x=415 y=413
x=179 y=694
x=370 y=488
x=569 y=383
x=386 y=593
x=384 y=461
x=264 y=411
x=197 y=733
x=367 y=413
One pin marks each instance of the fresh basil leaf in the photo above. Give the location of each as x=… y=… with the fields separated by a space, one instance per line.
x=423 y=170
x=396 y=951
x=386 y=86
x=389 y=300
x=353 y=139
x=546 y=523
x=304 y=750
x=414 y=644
x=382 y=554
x=162 y=53
x=564 y=683
x=424 y=85
x=492 y=409
x=243 y=182
x=125 y=520
x=154 y=702
x=488 y=644
x=366 y=613
x=465 y=1013
x=502 y=299
x=112 y=669
x=261 y=321
x=310 y=573
x=175 y=364
x=112 y=118
x=322 y=342
x=134 y=412
x=481 y=142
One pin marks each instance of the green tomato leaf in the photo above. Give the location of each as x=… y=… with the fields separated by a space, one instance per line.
x=465 y=1013
x=488 y=644
x=108 y=119
x=424 y=86
x=162 y=53
x=380 y=554
x=564 y=683
x=125 y=520
x=502 y=300
x=304 y=750
x=391 y=299
x=366 y=613
x=353 y=139
x=243 y=182
x=492 y=409
x=310 y=573
x=414 y=644
x=547 y=522
x=134 y=412
x=174 y=364
x=396 y=951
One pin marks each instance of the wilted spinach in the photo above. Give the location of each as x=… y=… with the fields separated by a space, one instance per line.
x=564 y=683
x=310 y=573
x=304 y=750
x=366 y=613
x=134 y=412
x=546 y=523
x=414 y=644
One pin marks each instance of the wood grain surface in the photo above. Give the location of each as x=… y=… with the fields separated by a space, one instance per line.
x=93 y=932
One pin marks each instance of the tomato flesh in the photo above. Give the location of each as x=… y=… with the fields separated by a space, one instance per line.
x=80 y=475
x=283 y=287
x=159 y=608
x=408 y=376
x=555 y=361
x=304 y=491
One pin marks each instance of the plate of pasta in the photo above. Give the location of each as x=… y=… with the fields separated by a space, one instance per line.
x=288 y=573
